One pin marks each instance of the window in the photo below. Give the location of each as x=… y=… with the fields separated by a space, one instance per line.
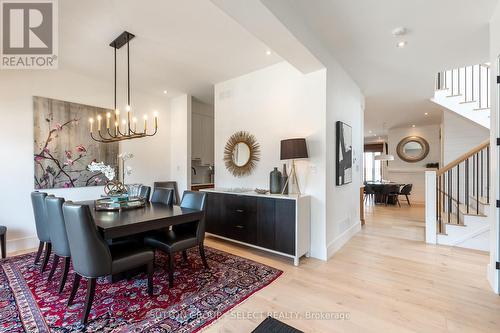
x=373 y=168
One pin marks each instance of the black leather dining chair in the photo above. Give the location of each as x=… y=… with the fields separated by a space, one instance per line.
x=183 y=236
x=163 y=195
x=58 y=237
x=42 y=227
x=93 y=258
x=169 y=184
x=406 y=191
x=3 y=242
x=391 y=191
x=145 y=192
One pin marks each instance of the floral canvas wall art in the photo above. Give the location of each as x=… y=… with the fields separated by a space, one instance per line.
x=63 y=147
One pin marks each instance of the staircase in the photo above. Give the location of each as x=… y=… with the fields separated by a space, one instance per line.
x=458 y=201
x=465 y=91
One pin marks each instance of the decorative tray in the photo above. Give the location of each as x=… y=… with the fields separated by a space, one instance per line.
x=119 y=203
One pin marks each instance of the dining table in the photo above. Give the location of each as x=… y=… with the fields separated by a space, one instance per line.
x=379 y=187
x=129 y=222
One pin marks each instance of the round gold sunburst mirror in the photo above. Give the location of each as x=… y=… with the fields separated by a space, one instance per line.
x=241 y=154
x=413 y=149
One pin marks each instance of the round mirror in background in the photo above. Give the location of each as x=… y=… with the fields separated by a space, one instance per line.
x=241 y=154
x=413 y=149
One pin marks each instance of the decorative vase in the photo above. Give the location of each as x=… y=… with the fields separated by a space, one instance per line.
x=284 y=179
x=275 y=181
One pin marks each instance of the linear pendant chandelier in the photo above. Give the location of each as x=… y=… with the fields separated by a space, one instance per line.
x=126 y=128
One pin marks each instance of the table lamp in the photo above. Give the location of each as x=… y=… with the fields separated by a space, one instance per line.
x=293 y=149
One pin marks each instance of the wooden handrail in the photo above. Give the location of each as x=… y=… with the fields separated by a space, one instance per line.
x=463 y=157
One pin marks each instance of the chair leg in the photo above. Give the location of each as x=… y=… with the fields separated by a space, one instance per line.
x=76 y=284
x=89 y=299
x=64 y=274
x=202 y=254
x=55 y=262
x=150 y=278
x=39 y=252
x=48 y=250
x=408 y=200
x=4 y=248
x=185 y=255
x=170 y=270
x=397 y=200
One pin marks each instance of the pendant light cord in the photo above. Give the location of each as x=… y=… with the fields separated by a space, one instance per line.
x=128 y=71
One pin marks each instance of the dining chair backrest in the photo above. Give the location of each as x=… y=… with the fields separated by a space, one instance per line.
x=195 y=200
x=391 y=189
x=163 y=195
x=89 y=252
x=369 y=189
x=58 y=235
x=145 y=192
x=406 y=190
x=40 y=213
x=172 y=185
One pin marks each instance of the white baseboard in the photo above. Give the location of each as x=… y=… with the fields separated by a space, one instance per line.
x=341 y=240
x=22 y=244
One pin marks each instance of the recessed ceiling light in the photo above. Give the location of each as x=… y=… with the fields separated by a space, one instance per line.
x=401 y=44
x=268 y=52
x=374 y=134
x=165 y=92
x=412 y=125
x=399 y=31
x=370 y=131
x=427 y=113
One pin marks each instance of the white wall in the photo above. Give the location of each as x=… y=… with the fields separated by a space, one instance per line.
x=413 y=173
x=460 y=135
x=493 y=274
x=17 y=89
x=180 y=152
x=273 y=104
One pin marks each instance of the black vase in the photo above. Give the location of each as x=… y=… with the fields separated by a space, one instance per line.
x=275 y=181
x=284 y=179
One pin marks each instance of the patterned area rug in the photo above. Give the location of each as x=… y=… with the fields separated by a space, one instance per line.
x=30 y=303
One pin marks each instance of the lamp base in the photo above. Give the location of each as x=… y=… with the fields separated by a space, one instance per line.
x=294 y=181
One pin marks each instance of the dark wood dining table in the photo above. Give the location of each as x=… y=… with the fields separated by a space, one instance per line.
x=379 y=187
x=153 y=216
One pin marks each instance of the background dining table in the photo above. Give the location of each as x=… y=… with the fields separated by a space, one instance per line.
x=379 y=188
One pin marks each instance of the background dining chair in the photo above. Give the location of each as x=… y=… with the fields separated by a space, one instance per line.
x=406 y=191
x=391 y=191
x=163 y=195
x=93 y=258
x=58 y=237
x=3 y=233
x=182 y=236
x=42 y=227
x=369 y=194
x=172 y=185
x=145 y=192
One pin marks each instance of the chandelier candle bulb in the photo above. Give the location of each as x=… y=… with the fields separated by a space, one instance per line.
x=145 y=122
x=99 y=118
x=108 y=117
x=91 y=121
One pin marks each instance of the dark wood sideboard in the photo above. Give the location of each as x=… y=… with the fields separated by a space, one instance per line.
x=275 y=223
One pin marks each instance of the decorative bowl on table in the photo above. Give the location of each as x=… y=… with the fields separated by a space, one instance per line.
x=117 y=203
x=261 y=191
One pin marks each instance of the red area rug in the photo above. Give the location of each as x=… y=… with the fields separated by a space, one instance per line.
x=30 y=303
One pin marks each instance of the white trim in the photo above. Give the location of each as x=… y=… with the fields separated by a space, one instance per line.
x=21 y=244
x=341 y=240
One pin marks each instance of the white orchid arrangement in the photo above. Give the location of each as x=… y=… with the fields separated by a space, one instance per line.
x=107 y=170
x=126 y=170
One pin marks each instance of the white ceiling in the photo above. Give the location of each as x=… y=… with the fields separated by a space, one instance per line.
x=398 y=83
x=180 y=46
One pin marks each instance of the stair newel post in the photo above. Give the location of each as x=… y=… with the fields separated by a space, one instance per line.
x=458 y=193
x=488 y=174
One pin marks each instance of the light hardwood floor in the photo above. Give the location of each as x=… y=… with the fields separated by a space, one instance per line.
x=386 y=278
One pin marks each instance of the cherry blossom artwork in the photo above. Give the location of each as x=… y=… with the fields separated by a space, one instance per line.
x=63 y=147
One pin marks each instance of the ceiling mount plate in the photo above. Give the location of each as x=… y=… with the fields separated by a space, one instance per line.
x=122 y=39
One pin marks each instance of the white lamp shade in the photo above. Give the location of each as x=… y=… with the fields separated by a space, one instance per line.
x=384 y=157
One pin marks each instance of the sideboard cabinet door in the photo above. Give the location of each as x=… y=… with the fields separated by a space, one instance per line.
x=266 y=223
x=285 y=226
